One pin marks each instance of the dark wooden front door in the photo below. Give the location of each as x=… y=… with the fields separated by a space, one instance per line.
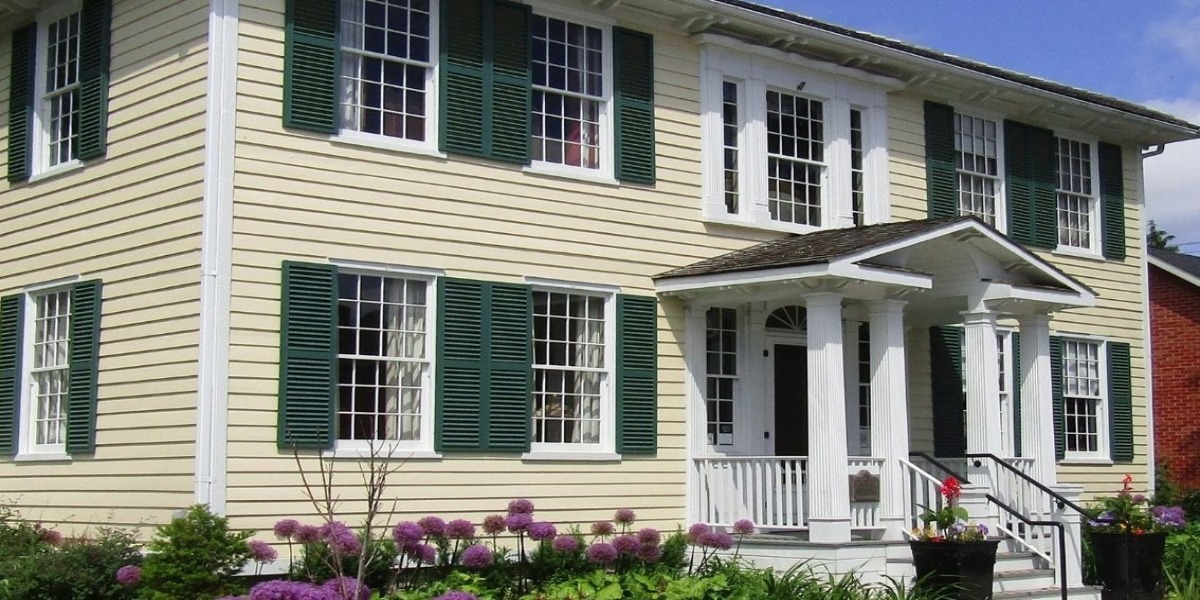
x=791 y=400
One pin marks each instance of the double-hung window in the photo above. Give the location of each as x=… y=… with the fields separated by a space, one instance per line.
x=721 y=362
x=1084 y=394
x=572 y=362
x=788 y=145
x=1077 y=196
x=384 y=349
x=388 y=81
x=570 y=109
x=59 y=90
x=48 y=374
x=977 y=145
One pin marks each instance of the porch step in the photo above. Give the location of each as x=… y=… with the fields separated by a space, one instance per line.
x=1050 y=593
x=1022 y=562
x=1021 y=579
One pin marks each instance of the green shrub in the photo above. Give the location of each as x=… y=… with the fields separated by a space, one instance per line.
x=315 y=563
x=18 y=537
x=1181 y=562
x=81 y=569
x=194 y=557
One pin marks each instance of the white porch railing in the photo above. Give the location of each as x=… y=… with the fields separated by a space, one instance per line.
x=771 y=491
x=923 y=492
x=1031 y=502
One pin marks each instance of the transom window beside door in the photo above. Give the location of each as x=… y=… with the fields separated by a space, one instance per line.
x=977 y=147
x=570 y=369
x=721 y=364
x=383 y=359
x=1083 y=398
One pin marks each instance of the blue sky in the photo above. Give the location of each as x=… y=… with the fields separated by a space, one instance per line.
x=1146 y=51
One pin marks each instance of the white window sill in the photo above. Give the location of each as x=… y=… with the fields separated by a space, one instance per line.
x=383 y=142
x=42 y=457
x=1078 y=253
x=57 y=171
x=571 y=456
x=574 y=173
x=1084 y=460
x=382 y=454
x=734 y=221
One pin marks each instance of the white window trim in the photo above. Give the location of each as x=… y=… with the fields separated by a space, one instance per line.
x=1001 y=170
x=606 y=174
x=757 y=70
x=27 y=450
x=428 y=147
x=39 y=153
x=606 y=449
x=739 y=418
x=419 y=448
x=1102 y=454
x=1095 y=251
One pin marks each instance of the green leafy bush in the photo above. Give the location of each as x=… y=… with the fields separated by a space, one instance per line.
x=79 y=569
x=194 y=557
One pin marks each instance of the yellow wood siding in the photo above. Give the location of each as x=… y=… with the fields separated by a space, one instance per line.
x=131 y=219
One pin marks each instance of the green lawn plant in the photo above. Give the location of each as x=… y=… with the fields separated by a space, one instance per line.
x=194 y=557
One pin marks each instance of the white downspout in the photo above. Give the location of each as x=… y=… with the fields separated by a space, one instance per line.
x=1149 y=345
x=216 y=250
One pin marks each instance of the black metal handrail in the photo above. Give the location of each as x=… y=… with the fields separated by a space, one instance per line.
x=1062 y=539
x=1062 y=501
x=939 y=464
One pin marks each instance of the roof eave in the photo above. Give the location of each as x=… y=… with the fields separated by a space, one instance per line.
x=1173 y=270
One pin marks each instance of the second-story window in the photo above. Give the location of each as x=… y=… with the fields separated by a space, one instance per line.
x=978 y=150
x=387 y=68
x=789 y=148
x=1078 y=201
x=60 y=99
x=569 y=108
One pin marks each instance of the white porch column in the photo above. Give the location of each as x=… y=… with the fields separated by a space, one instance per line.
x=983 y=388
x=850 y=369
x=828 y=488
x=1037 y=399
x=889 y=408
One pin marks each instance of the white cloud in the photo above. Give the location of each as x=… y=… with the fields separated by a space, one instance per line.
x=1179 y=34
x=1173 y=178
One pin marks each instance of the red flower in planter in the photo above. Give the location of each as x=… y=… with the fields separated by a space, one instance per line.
x=951 y=489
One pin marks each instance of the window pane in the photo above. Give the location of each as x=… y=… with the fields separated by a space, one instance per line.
x=385 y=65
x=569 y=367
x=1076 y=205
x=568 y=93
x=796 y=153
x=978 y=166
x=722 y=374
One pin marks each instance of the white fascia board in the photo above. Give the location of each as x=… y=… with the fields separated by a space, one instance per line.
x=1003 y=291
x=1172 y=269
x=882 y=275
x=726 y=280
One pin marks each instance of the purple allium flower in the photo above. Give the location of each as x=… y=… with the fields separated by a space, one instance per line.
x=432 y=526
x=625 y=516
x=1169 y=516
x=347 y=588
x=649 y=536
x=307 y=534
x=626 y=544
x=234 y=598
x=129 y=575
x=601 y=553
x=520 y=506
x=460 y=529
x=457 y=595
x=602 y=528
x=493 y=524
x=50 y=536
x=286 y=528
x=407 y=532
x=1139 y=498
x=650 y=554
x=542 y=531
x=262 y=552
x=518 y=522
x=695 y=531
x=743 y=527
x=477 y=557
x=422 y=552
x=712 y=539
x=566 y=543
x=279 y=589
x=342 y=541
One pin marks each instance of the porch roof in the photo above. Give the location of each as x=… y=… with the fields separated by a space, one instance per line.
x=879 y=253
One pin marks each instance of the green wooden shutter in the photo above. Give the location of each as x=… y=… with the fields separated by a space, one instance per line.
x=311 y=64
x=637 y=375
x=633 y=97
x=1112 y=201
x=1015 y=379
x=1056 y=395
x=941 y=159
x=1029 y=185
x=949 y=399
x=20 y=102
x=1120 y=402
x=94 y=33
x=511 y=80
x=84 y=355
x=485 y=79
x=484 y=367
x=12 y=320
x=307 y=355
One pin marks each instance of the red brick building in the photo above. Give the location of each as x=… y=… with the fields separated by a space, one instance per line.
x=1175 y=335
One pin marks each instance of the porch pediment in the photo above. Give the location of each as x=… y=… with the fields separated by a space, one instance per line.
x=937 y=258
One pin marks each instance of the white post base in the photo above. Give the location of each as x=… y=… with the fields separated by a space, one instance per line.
x=828 y=530
x=1073 y=528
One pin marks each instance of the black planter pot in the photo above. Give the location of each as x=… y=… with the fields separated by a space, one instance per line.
x=961 y=570
x=1129 y=566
